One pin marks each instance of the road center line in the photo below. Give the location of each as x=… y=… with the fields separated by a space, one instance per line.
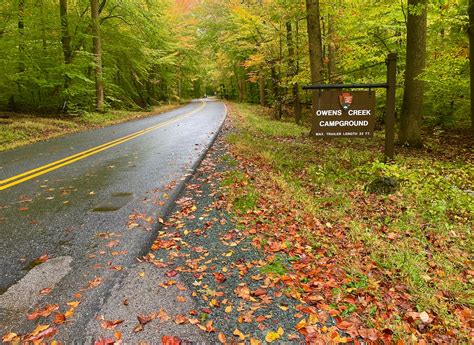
x=30 y=174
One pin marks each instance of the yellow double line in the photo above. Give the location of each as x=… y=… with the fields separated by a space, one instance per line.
x=30 y=174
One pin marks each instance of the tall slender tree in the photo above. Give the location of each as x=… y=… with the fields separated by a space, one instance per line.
x=315 y=44
x=413 y=98
x=66 y=42
x=471 y=56
x=293 y=71
x=99 y=84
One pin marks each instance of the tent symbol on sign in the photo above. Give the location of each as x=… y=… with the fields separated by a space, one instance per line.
x=345 y=100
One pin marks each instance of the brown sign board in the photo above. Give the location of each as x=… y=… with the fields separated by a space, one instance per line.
x=343 y=114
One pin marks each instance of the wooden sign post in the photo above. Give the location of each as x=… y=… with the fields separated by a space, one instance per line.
x=350 y=114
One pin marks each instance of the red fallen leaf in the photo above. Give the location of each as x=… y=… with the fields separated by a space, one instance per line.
x=110 y=324
x=44 y=334
x=260 y=292
x=344 y=325
x=42 y=259
x=107 y=341
x=220 y=278
x=59 y=318
x=170 y=340
x=172 y=273
x=45 y=291
x=44 y=312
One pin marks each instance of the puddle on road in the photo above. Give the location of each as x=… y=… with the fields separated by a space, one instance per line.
x=114 y=203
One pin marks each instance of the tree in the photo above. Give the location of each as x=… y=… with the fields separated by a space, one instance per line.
x=65 y=41
x=315 y=43
x=413 y=98
x=293 y=71
x=471 y=56
x=97 y=50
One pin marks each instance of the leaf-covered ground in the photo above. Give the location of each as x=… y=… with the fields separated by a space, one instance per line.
x=279 y=240
x=275 y=239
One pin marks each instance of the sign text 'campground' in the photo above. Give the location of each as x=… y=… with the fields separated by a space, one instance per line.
x=345 y=114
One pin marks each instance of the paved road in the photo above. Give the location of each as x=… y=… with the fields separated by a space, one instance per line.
x=90 y=207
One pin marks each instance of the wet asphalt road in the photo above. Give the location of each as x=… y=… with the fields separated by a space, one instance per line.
x=130 y=186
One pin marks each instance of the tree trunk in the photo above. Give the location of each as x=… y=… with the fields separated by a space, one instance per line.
x=471 y=56
x=99 y=85
x=276 y=92
x=315 y=47
x=261 y=88
x=21 y=36
x=66 y=42
x=331 y=48
x=412 y=109
x=292 y=72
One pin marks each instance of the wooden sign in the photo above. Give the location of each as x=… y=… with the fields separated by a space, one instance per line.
x=345 y=114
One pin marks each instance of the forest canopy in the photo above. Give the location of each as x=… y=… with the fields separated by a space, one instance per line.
x=154 y=51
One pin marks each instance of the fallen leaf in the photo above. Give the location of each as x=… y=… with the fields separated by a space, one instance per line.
x=170 y=340
x=163 y=316
x=118 y=335
x=239 y=334
x=45 y=291
x=172 y=273
x=94 y=282
x=222 y=338
x=59 y=318
x=10 y=337
x=272 y=336
x=180 y=319
x=254 y=341
x=43 y=312
x=110 y=324
x=220 y=278
x=243 y=292
x=45 y=332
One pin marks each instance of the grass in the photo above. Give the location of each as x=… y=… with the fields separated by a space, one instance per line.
x=421 y=236
x=18 y=130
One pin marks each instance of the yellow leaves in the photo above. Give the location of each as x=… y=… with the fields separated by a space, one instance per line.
x=228 y=309
x=181 y=299
x=255 y=60
x=239 y=334
x=272 y=336
x=10 y=337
